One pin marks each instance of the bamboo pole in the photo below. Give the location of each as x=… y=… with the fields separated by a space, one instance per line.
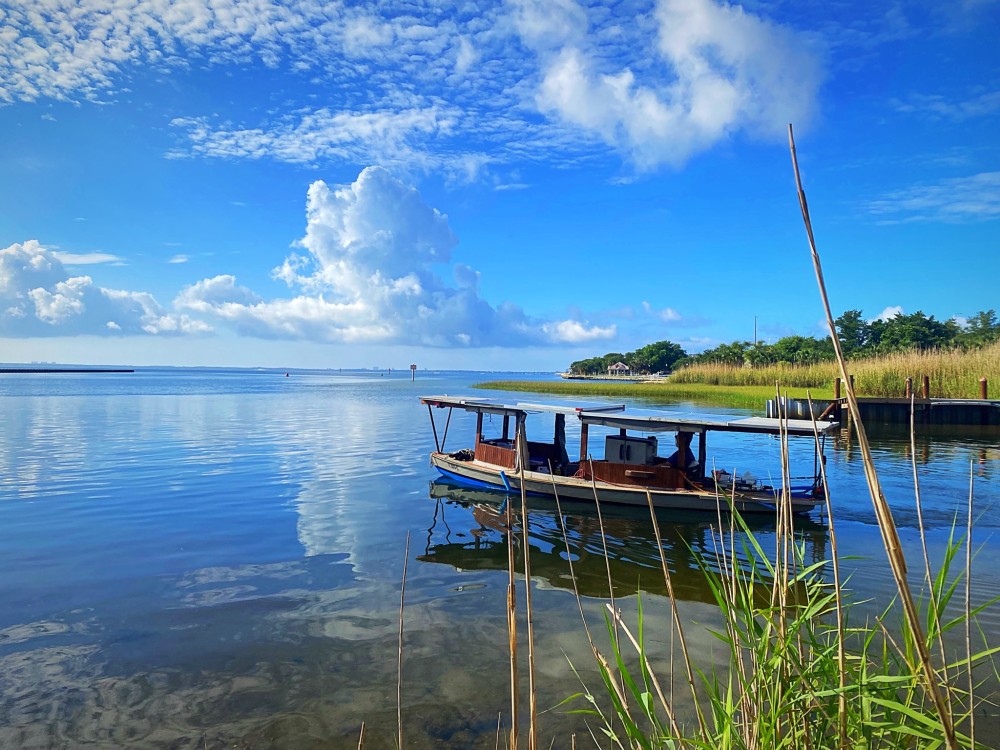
x=532 y=705
x=399 y=657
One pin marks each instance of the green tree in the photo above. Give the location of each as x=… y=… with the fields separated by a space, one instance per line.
x=981 y=329
x=916 y=331
x=801 y=350
x=726 y=354
x=660 y=356
x=854 y=333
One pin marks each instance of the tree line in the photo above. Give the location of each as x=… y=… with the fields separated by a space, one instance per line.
x=858 y=337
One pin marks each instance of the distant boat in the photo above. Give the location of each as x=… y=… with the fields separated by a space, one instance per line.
x=630 y=466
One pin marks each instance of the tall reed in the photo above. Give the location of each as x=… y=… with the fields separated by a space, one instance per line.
x=953 y=373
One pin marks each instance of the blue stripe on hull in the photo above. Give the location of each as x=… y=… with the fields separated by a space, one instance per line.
x=460 y=479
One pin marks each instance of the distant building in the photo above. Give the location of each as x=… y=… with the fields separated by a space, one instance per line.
x=619 y=368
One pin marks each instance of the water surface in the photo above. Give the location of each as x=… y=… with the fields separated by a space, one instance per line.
x=212 y=558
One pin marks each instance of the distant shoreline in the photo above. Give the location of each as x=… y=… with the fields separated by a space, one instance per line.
x=45 y=370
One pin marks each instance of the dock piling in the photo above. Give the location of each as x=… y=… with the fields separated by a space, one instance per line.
x=983 y=389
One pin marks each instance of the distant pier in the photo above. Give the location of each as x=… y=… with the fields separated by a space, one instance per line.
x=45 y=370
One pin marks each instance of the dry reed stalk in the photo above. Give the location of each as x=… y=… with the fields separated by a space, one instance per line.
x=838 y=592
x=968 y=610
x=361 y=737
x=678 y=626
x=675 y=728
x=607 y=562
x=532 y=704
x=499 y=721
x=726 y=561
x=604 y=541
x=883 y=513
x=928 y=573
x=399 y=657
x=569 y=559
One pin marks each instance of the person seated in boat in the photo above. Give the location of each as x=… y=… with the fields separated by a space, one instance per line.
x=683 y=458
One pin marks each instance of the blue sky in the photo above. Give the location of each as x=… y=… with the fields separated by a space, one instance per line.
x=509 y=185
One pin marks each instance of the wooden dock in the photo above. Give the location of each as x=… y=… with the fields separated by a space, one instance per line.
x=927 y=411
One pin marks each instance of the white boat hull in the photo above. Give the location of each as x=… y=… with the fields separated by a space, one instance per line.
x=479 y=473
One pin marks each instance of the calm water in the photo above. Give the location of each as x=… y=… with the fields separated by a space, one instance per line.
x=194 y=559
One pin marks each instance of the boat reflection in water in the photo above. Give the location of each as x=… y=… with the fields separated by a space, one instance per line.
x=469 y=528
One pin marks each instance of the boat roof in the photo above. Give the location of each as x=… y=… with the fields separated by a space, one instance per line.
x=493 y=406
x=610 y=415
x=690 y=422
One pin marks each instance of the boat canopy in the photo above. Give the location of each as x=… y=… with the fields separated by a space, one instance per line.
x=609 y=415
x=492 y=406
x=699 y=423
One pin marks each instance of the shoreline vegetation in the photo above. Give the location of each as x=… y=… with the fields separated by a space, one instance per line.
x=953 y=373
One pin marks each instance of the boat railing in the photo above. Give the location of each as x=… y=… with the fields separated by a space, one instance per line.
x=495 y=454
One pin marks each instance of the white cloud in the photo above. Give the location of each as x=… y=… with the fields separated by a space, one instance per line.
x=954 y=200
x=85 y=259
x=41 y=299
x=179 y=259
x=310 y=136
x=549 y=24
x=889 y=313
x=370 y=274
x=721 y=71
x=658 y=80
x=937 y=106
x=210 y=293
x=574 y=332
x=667 y=314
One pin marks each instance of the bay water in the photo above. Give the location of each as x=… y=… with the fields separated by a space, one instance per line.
x=203 y=558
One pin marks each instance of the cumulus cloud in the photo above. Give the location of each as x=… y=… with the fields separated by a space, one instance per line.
x=38 y=297
x=370 y=271
x=721 y=71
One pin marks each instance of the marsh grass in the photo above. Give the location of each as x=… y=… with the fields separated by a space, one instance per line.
x=953 y=374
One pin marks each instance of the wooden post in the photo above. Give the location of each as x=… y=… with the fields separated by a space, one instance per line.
x=836 y=399
x=583 y=443
x=926 y=387
x=521 y=439
x=909 y=387
x=852 y=384
x=506 y=426
x=479 y=429
x=983 y=390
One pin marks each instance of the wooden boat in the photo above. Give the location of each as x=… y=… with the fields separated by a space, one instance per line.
x=630 y=466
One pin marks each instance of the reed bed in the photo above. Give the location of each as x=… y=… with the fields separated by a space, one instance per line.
x=953 y=373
